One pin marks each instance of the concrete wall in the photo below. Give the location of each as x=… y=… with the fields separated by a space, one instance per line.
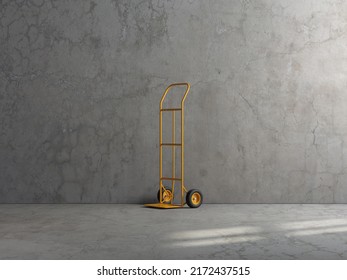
x=80 y=83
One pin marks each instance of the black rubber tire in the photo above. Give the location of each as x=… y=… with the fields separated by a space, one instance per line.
x=191 y=198
x=158 y=194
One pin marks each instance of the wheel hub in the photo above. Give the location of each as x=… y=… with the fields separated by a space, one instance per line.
x=167 y=196
x=196 y=198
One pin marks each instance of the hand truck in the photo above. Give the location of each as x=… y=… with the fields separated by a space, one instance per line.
x=166 y=196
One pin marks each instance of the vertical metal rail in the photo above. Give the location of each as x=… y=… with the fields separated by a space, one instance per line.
x=182 y=153
x=183 y=189
x=173 y=136
x=160 y=152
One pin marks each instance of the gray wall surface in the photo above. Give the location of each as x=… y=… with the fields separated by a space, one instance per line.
x=80 y=84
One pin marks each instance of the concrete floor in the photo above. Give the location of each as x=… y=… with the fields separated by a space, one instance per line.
x=111 y=231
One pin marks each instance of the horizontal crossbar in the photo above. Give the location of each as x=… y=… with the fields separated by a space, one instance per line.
x=171 y=109
x=172 y=179
x=170 y=144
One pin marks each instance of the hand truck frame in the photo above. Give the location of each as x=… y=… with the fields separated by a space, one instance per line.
x=165 y=195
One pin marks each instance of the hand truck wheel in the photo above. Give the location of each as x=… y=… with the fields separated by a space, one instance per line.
x=167 y=195
x=194 y=198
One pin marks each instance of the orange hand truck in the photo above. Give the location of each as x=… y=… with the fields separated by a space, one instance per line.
x=166 y=196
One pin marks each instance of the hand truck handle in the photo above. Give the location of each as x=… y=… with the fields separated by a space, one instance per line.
x=174 y=85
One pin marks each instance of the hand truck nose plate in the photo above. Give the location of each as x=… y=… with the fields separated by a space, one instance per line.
x=163 y=205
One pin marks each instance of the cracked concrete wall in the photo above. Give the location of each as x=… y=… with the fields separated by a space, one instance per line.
x=80 y=83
